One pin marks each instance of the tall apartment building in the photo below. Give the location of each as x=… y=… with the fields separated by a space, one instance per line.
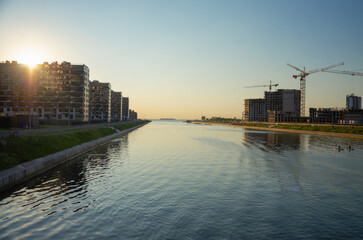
x=353 y=102
x=125 y=109
x=132 y=115
x=116 y=106
x=54 y=92
x=99 y=101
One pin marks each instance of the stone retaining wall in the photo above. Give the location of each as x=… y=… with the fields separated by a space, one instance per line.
x=13 y=176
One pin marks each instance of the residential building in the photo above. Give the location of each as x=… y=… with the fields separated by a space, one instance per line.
x=99 y=101
x=132 y=115
x=116 y=106
x=54 y=92
x=125 y=108
x=353 y=102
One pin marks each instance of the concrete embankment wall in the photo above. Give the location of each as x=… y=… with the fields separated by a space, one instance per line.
x=13 y=176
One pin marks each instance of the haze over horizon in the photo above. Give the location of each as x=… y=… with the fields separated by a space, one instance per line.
x=184 y=59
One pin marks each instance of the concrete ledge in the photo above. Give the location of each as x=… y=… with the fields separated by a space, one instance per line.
x=25 y=171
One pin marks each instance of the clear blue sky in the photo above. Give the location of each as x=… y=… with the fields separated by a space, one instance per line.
x=186 y=58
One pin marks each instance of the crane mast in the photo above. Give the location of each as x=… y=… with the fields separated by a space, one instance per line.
x=303 y=76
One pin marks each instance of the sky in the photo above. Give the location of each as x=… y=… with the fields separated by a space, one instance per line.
x=185 y=59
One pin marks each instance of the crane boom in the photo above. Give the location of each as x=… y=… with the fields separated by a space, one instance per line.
x=296 y=68
x=345 y=72
x=270 y=85
x=303 y=76
x=326 y=68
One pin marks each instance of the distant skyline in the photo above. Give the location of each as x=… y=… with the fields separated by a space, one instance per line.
x=184 y=59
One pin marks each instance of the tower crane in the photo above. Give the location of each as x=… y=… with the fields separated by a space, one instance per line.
x=345 y=72
x=270 y=86
x=303 y=76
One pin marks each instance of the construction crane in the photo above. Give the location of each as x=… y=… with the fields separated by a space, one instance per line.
x=345 y=72
x=270 y=86
x=303 y=76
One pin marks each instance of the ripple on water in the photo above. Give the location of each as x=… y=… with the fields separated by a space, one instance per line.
x=178 y=181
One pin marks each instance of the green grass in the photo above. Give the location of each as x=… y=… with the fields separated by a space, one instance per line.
x=335 y=129
x=328 y=128
x=125 y=126
x=17 y=150
x=254 y=124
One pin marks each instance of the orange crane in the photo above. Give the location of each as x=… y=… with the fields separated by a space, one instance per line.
x=303 y=76
x=270 y=86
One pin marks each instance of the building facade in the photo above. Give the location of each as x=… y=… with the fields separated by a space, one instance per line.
x=325 y=115
x=255 y=110
x=125 y=109
x=282 y=105
x=100 y=101
x=353 y=102
x=132 y=115
x=116 y=106
x=53 y=92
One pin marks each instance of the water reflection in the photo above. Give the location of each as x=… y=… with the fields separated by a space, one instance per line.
x=279 y=157
x=178 y=181
x=275 y=142
x=64 y=189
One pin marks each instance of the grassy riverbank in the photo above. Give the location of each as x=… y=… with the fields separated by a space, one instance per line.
x=333 y=129
x=17 y=150
x=307 y=128
x=125 y=126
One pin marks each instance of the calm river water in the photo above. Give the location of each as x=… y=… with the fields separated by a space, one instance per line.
x=173 y=180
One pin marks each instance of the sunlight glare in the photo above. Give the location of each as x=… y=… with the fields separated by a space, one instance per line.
x=30 y=58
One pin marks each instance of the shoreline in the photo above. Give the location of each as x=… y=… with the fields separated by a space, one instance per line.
x=23 y=172
x=332 y=134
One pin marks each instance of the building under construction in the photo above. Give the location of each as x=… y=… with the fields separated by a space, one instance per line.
x=255 y=110
x=282 y=105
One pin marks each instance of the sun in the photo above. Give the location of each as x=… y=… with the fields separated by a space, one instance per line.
x=30 y=58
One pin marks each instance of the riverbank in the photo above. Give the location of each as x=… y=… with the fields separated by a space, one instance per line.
x=70 y=145
x=280 y=128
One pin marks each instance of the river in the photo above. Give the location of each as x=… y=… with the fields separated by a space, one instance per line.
x=173 y=180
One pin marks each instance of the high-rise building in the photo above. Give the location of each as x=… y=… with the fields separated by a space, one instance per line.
x=353 y=102
x=132 y=115
x=116 y=106
x=100 y=101
x=125 y=109
x=54 y=92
